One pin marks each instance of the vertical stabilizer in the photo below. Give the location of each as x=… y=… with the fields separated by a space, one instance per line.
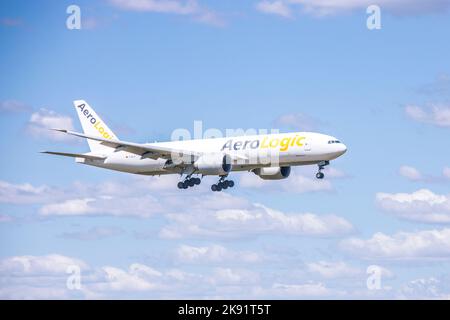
x=93 y=125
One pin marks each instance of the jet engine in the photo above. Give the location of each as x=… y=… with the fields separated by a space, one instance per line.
x=273 y=173
x=217 y=164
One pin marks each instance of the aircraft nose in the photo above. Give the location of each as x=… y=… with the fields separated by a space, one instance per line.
x=342 y=149
x=339 y=149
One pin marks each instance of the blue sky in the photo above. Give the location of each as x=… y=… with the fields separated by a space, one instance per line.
x=149 y=67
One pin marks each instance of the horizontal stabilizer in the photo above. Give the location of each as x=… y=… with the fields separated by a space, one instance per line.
x=150 y=150
x=75 y=155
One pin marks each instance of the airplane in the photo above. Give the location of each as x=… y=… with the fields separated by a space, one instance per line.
x=269 y=156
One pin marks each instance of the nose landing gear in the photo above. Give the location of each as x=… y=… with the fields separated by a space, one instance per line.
x=320 y=175
x=321 y=165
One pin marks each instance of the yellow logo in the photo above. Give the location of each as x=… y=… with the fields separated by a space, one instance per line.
x=95 y=123
x=102 y=130
x=267 y=142
x=283 y=143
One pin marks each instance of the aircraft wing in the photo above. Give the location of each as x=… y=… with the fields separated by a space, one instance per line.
x=145 y=150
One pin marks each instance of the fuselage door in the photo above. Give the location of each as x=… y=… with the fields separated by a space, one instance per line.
x=308 y=145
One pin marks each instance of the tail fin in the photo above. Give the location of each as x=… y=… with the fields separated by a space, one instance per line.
x=93 y=125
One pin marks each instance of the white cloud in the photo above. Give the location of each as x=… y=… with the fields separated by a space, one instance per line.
x=33 y=292
x=426 y=288
x=414 y=174
x=11 y=106
x=422 y=205
x=210 y=18
x=5 y=218
x=68 y=207
x=397 y=7
x=295 y=183
x=132 y=186
x=331 y=172
x=427 y=244
x=110 y=281
x=309 y=223
x=338 y=269
x=41 y=121
x=277 y=7
x=410 y=173
x=137 y=278
x=214 y=254
x=38 y=265
x=325 y=7
x=132 y=197
x=297 y=122
x=435 y=114
x=24 y=193
x=302 y=290
x=139 y=207
x=228 y=276
x=178 y=7
x=446 y=172
x=252 y=220
x=94 y=233
x=162 y=6
x=208 y=214
x=45 y=277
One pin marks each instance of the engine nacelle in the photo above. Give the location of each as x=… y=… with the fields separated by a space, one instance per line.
x=273 y=173
x=217 y=164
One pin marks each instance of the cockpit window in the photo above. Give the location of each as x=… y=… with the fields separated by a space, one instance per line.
x=333 y=141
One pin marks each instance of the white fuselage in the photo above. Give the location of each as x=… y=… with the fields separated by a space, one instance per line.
x=247 y=152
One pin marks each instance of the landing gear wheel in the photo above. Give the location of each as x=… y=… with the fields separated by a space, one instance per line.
x=222 y=184
x=188 y=182
x=321 y=165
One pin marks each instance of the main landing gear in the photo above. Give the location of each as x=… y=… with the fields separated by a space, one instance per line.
x=321 y=164
x=188 y=182
x=222 y=184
